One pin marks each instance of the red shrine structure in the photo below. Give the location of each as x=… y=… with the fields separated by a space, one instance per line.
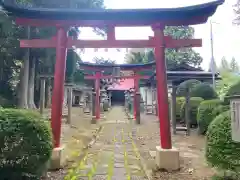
x=63 y=19
x=99 y=68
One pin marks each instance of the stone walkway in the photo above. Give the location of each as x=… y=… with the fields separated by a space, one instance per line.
x=114 y=155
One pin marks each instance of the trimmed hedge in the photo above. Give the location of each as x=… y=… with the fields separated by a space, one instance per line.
x=206 y=114
x=221 y=151
x=26 y=144
x=220 y=109
x=233 y=90
x=204 y=91
x=191 y=83
x=194 y=103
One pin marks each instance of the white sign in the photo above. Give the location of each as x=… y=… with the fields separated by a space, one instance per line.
x=235 y=118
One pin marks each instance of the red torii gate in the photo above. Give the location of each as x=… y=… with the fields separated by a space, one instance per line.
x=99 y=76
x=156 y=18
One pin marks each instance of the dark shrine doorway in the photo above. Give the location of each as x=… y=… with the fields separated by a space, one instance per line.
x=118 y=97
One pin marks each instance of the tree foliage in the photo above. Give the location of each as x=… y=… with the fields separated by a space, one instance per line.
x=13 y=58
x=173 y=56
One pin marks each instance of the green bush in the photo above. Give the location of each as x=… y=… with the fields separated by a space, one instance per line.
x=220 y=109
x=26 y=144
x=189 y=84
x=179 y=102
x=206 y=114
x=221 y=151
x=194 y=103
x=204 y=91
x=233 y=90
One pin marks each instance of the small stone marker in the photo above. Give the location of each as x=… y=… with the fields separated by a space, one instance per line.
x=235 y=117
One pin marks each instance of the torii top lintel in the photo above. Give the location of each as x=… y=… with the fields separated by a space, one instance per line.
x=190 y=15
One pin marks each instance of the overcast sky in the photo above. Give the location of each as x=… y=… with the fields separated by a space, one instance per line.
x=226 y=35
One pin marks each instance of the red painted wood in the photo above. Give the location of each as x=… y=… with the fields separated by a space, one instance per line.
x=96 y=68
x=111 y=33
x=169 y=43
x=58 y=88
x=117 y=77
x=162 y=93
x=97 y=23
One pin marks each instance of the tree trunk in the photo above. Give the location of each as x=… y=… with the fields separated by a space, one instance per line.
x=23 y=94
x=31 y=84
x=48 y=93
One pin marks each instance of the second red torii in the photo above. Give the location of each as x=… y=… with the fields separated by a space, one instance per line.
x=99 y=76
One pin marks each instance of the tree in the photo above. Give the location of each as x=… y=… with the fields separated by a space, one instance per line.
x=224 y=65
x=236 y=9
x=234 y=65
x=103 y=61
x=173 y=56
x=35 y=61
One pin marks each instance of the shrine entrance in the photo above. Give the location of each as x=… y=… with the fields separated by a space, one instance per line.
x=167 y=157
x=117 y=97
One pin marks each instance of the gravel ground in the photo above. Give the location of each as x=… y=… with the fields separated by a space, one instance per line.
x=193 y=164
x=74 y=138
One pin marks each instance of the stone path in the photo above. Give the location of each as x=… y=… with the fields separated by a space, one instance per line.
x=114 y=155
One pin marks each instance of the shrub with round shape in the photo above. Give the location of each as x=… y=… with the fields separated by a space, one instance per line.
x=194 y=103
x=204 y=91
x=233 y=90
x=26 y=144
x=220 y=109
x=206 y=114
x=221 y=151
x=189 y=84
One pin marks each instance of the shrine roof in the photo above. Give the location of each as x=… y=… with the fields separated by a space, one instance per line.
x=84 y=65
x=179 y=76
x=123 y=85
x=196 y=14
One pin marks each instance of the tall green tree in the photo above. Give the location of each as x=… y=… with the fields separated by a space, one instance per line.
x=173 y=56
x=234 y=67
x=224 y=66
x=39 y=60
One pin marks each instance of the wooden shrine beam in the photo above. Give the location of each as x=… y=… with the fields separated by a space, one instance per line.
x=116 y=77
x=169 y=43
x=104 y=23
x=132 y=68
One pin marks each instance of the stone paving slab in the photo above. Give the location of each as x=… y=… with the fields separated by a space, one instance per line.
x=113 y=156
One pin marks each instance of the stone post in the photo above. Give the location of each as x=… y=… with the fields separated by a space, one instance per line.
x=93 y=108
x=126 y=101
x=146 y=103
x=42 y=94
x=70 y=98
x=173 y=108
x=110 y=99
x=138 y=112
x=152 y=100
x=187 y=111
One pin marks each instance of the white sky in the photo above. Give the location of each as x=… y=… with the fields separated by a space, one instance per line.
x=225 y=35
